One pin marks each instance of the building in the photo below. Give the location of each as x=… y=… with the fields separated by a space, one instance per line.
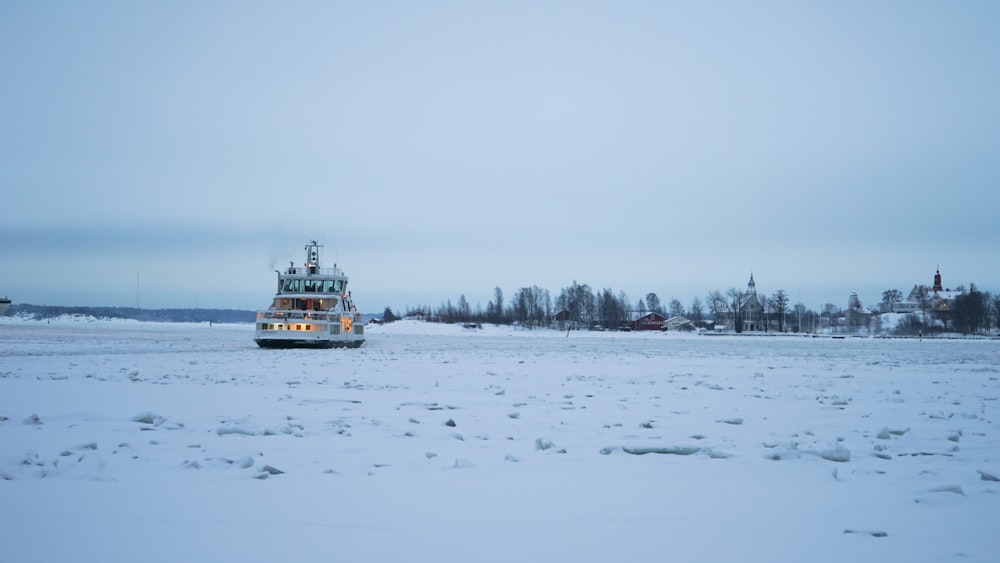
x=679 y=323
x=855 y=315
x=562 y=316
x=646 y=321
x=854 y=302
x=928 y=298
x=752 y=312
x=564 y=319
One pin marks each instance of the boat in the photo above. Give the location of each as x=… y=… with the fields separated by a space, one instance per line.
x=4 y=305
x=312 y=308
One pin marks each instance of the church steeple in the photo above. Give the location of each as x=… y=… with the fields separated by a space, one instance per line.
x=751 y=286
x=937 y=280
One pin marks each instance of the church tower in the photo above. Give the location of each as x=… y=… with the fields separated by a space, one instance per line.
x=751 y=311
x=937 y=281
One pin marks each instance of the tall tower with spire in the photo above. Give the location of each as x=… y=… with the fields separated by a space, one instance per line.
x=937 y=280
x=751 y=311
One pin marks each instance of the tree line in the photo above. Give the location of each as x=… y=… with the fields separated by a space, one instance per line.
x=45 y=312
x=580 y=306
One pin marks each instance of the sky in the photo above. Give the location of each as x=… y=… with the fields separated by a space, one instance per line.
x=176 y=154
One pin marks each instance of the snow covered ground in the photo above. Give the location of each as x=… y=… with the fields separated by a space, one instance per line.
x=124 y=441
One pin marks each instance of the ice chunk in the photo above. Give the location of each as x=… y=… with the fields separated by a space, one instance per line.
x=872 y=533
x=675 y=450
x=225 y=430
x=543 y=444
x=984 y=476
x=149 y=418
x=838 y=454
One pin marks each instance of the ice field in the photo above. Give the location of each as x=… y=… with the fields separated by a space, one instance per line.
x=124 y=441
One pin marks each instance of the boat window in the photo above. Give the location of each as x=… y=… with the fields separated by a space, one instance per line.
x=293 y=285
x=328 y=286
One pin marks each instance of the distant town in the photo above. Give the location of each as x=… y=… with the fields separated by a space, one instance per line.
x=927 y=309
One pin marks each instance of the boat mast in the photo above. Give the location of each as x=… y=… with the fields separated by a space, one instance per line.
x=312 y=257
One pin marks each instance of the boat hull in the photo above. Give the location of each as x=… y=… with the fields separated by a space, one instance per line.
x=298 y=343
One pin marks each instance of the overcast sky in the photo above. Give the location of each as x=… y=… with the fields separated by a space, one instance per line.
x=175 y=153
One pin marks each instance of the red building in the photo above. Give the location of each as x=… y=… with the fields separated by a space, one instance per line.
x=647 y=321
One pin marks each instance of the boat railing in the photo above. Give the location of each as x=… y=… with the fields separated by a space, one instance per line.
x=310 y=290
x=297 y=315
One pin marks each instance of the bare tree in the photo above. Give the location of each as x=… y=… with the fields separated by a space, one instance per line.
x=996 y=311
x=578 y=301
x=547 y=301
x=875 y=324
x=653 y=302
x=676 y=309
x=779 y=308
x=805 y=318
x=696 y=312
x=765 y=308
x=970 y=311
x=832 y=313
x=624 y=305
x=463 y=312
x=529 y=306
x=497 y=316
x=607 y=309
x=520 y=305
x=717 y=306
x=889 y=299
x=641 y=305
x=736 y=301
